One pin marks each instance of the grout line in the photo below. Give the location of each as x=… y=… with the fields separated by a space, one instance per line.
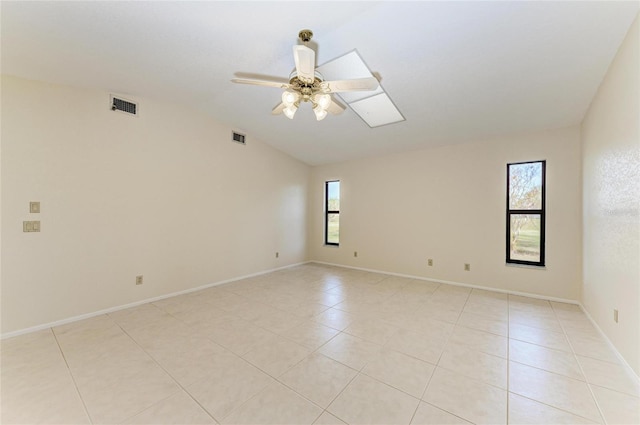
x=575 y=357
x=75 y=384
x=168 y=374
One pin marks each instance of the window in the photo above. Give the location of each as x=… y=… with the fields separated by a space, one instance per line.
x=332 y=213
x=525 y=213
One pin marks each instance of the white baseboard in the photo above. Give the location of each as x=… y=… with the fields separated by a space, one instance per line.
x=199 y=288
x=448 y=282
x=136 y=303
x=622 y=360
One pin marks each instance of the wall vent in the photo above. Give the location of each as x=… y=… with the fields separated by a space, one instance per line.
x=239 y=138
x=126 y=106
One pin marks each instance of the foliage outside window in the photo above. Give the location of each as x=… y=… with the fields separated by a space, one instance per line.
x=332 y=213
x=526 y=213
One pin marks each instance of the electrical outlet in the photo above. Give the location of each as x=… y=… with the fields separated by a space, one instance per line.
x=34 y=207
x=615 y=315
x=467 y=267
x=355 y=253
x=430 y=262
x=139 y=280
x=277 y=254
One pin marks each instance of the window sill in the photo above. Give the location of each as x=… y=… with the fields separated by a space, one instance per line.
x=525 y=266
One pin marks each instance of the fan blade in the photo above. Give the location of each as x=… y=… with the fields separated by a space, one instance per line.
x=358 y=84
x=278 y=109
x=261 y=83
x=335 y=108
x=305 y=59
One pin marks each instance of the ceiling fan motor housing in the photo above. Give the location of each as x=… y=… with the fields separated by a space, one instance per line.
x=305 y=35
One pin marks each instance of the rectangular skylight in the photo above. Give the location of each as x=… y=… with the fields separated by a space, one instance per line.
x=374 y=107
x=377 y=110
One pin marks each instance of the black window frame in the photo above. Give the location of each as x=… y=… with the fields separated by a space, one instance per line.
x=327 y=211
x=541 y=212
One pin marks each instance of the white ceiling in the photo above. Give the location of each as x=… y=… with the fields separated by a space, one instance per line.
x=457 y=71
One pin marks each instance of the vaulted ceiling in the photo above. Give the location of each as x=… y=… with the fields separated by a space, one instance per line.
x=457 y=71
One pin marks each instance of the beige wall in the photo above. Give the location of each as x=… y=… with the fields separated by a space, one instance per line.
x=166 y=195
x=449 y=204
x=611 y=163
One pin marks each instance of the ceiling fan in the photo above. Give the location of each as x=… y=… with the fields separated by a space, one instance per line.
x=307 y=85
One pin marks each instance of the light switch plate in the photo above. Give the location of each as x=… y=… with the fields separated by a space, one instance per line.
x=34 y=207
x=30 y=226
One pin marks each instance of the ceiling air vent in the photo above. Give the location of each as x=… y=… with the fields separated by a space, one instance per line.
x=119 y=104
x=239 y=138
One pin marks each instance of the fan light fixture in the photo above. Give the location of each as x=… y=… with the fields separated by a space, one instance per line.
x=307 y=85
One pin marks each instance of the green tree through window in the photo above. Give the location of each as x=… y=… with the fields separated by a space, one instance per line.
x=332 y=213
x=526 y=213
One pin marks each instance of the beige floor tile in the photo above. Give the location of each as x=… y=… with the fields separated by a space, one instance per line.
x=529 y=412
x=277 y=321
x=376 y=330
x=29 y=353
x=228 y=388
x=187 y=366
x=519 y=300
x=543 y=337
x=102 y=362
x=422 y=286
x=480 y=341
x=275 y=405
x=277 y=355
x=354 y=405
x=84 y=328
x=141 y=315
x=251 y=310
x=535 y=320
x=228 y=299
x=430 y=415
x=160 y=333
x=593 y=346
x=429 y=325
x=475 y=364
x=335 y=318
x=487 y=296
x=175 y=410
x=46 y=394
x=579 y=322
x=180 y=303
x=132 y=385
x=201 y=313
x=311 y=334
x=327 y=299
x=555 y=390
x=484 y=323
x=328 y=419
x=560 y=362
x=307 y=310
x=427 y=347
x=239 y=335
x=350 y=350
x=497 y=311
x=400 y=371
x=617 y=408
x=467 y=398
x=318 y=378
x=91 y=337
x=445 y=313
x=610 y=375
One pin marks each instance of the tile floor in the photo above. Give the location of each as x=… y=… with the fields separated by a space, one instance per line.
x=315 y=344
